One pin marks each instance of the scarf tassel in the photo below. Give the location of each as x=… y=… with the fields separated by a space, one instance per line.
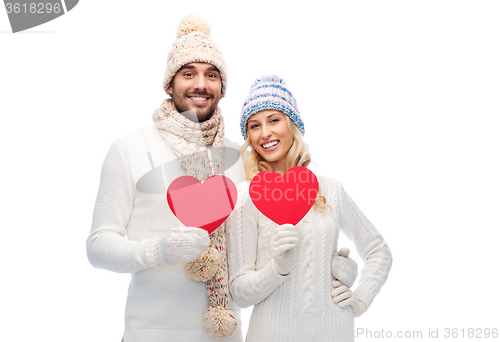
x=210 y=267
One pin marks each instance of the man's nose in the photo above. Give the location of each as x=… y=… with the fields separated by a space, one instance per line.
x=200 y=82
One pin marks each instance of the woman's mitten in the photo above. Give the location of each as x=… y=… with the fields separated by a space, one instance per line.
x=283 y=248
x=343 y=296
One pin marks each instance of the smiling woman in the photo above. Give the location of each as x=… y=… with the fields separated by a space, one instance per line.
x=270 y=96
x=293 y=275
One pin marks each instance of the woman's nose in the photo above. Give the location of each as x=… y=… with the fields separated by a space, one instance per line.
x=266 y=131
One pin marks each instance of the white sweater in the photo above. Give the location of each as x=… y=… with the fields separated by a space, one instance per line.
x=163 y=303
x=298 y=306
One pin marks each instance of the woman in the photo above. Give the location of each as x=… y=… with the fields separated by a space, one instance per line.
x=293 y=275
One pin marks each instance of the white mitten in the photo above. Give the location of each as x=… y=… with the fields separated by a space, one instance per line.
x=180 y=245
x=343 y=296
x=343 y=268
x=283 y=244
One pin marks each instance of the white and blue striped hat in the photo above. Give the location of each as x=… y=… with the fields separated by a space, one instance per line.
x=270 y=92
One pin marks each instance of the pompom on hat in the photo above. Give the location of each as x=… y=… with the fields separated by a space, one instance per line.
x=270 y=92
x=193 y=45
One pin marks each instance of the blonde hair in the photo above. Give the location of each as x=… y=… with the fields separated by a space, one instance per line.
x=298 y=155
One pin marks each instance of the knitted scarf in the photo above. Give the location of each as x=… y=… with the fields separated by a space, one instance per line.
x=189 y=140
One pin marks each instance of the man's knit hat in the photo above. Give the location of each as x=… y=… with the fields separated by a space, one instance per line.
x=270 y=92
x=193 y=45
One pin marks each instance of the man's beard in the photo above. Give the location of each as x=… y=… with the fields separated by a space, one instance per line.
x=191 y=111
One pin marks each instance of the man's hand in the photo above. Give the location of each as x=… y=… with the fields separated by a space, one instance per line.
x=344 y=268
x=180 y=245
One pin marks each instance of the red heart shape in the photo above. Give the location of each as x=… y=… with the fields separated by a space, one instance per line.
x=284 y=199
x=204 y=205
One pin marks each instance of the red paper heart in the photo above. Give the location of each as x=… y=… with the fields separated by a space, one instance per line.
x=284 y=199
x=204 y=205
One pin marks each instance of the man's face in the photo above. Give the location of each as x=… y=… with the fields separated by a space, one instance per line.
x=196 y=86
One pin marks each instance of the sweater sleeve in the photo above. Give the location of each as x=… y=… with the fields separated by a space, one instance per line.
x=248 y=286
x=370 y=245
x=107 y=245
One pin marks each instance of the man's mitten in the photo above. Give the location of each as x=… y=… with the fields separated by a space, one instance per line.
x=344 y=269
x=180 y=245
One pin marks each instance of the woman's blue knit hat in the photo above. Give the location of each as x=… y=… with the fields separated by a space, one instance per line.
x=269 y=92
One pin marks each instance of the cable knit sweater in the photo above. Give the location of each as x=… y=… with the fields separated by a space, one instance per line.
x=298 y=306
x=131 y=210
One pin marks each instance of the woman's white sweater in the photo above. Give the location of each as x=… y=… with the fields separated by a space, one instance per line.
x=131 y=211
x=298 y=306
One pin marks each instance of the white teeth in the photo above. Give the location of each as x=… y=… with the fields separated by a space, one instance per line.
x=198 y=99
x=271 y=144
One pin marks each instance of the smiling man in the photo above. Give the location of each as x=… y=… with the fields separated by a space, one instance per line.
x=178 y=290
x=196 y=87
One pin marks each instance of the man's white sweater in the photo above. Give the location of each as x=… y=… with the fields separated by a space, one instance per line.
x=131 y=210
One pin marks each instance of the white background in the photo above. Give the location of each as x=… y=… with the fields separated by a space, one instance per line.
x=400 y=101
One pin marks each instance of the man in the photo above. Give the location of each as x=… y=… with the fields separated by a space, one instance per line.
x=178 y=290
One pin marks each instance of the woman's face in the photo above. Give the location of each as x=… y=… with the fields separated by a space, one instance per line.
x=270 y=137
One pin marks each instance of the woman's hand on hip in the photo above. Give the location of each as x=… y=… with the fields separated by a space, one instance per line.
x=343 y=296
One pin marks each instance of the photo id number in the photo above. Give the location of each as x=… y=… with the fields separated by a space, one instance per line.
x=33 y=8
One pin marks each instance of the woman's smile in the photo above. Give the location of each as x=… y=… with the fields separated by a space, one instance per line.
x=270 y=145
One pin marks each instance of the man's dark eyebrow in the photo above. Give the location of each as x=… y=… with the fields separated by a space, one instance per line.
x=187 y=66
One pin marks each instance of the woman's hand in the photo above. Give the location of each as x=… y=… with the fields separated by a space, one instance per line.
x=283 y=244
x=343 y=296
